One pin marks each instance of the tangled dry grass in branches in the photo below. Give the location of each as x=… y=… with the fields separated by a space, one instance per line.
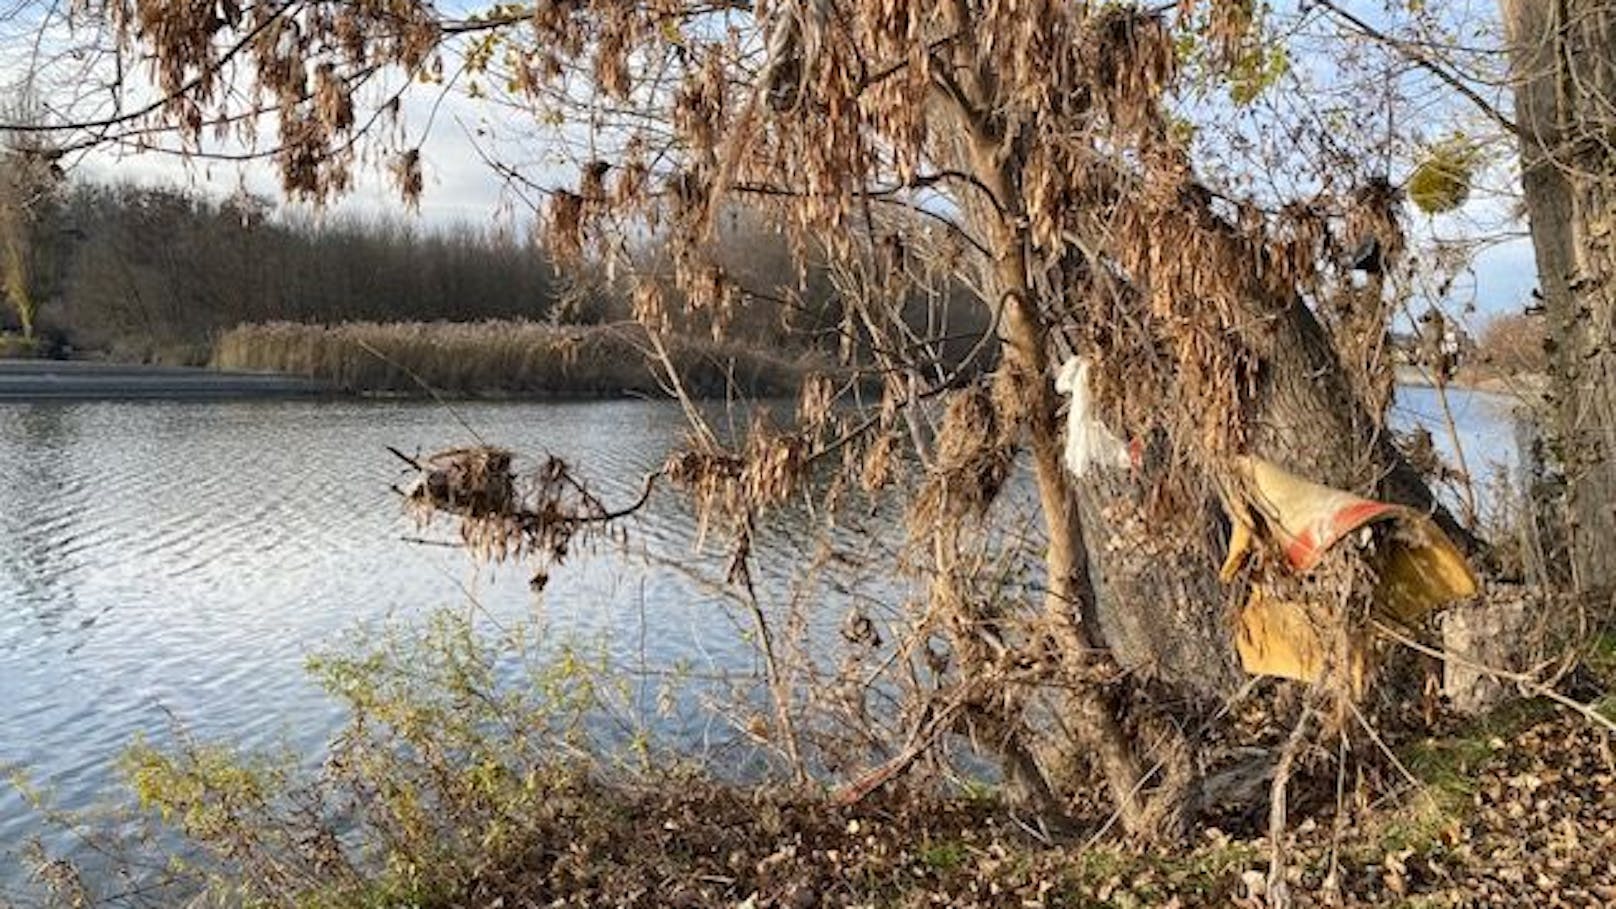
x=542 y=515
x=974 y=454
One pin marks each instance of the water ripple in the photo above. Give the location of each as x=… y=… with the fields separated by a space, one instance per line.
x=162 y=560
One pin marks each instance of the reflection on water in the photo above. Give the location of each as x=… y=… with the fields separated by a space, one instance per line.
x=179 y=561
x=1484 y=424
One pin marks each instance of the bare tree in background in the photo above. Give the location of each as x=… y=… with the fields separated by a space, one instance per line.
x=29 y=182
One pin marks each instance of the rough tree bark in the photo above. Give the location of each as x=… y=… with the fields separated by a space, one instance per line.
x=1173 y=619
x=1563 y=55
x=1310 y=421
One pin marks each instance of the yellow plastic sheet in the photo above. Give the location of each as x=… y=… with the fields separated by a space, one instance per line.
x=1417 y=566
x=1277 y=637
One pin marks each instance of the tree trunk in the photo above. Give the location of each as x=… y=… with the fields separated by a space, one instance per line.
x=1095 y=710
x=1563 y=54
x=1167 y=613
x=1158 y=603
x=1310 y=420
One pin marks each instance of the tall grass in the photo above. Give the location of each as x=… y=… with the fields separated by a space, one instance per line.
x=499 y=357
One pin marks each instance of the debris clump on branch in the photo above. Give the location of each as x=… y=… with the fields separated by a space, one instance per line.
x=542 y=515
x=469 y=482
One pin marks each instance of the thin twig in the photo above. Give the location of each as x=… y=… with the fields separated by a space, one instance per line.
x=1418 y=58
x=404 y=457
x=1278 y=889
x=1468 y=485
x=1525 y=682
x=425 y=386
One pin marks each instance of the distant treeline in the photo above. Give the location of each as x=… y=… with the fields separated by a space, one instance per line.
x=172 y=276
x=158 y=274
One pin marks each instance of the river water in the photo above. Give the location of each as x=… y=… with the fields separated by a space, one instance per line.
x=177 y=562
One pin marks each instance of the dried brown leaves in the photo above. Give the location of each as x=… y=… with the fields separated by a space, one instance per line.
x=1203 y=280
x=304 y=62
x=501 y=517
x=1131 y=63
x=764 y=474
x=973 y=459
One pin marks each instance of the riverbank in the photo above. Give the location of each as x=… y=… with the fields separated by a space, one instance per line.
x=1512 y=809
x=489 y=359
x=1517 y=819
x=1525 y=386
x=81 y=379
x=505 y=358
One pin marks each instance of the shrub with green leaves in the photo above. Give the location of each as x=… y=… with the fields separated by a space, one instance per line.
x=466 y=755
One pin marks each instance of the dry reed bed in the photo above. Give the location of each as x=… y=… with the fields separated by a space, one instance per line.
x=499 y=358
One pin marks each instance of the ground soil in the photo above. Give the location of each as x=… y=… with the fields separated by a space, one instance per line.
x=1518 y=814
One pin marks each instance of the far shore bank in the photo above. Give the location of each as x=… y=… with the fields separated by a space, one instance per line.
x=49 y=380
x=41 y=379
x=513 y=359
x=1526 y=386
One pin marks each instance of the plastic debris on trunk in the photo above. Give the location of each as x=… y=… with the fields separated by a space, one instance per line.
x=1089 y=443
x=1416 y=568
x=1280 y=638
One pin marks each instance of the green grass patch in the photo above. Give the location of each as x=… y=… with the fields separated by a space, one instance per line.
x=943 y=856
x=1446 y=768
x=1600 y=658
